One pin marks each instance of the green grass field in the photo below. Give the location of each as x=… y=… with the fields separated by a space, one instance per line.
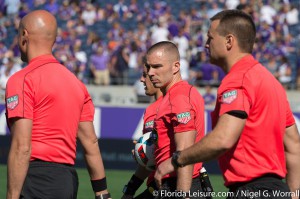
x=116 y=180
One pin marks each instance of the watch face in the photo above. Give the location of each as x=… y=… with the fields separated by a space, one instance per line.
x=174 y=158
x=125 y=189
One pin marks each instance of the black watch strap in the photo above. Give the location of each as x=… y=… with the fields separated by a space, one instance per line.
x=175 y=157
x=128 y=190
x=103 y=196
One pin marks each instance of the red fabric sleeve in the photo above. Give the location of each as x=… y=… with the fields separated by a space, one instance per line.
x=88 y=109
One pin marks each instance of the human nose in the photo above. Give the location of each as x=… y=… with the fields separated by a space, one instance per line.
x=142 y=79
x=150 y=72
x=207 y=44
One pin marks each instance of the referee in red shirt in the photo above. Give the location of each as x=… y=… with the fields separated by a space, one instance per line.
x=47 y=108
x=179 y=120
x=254 y=137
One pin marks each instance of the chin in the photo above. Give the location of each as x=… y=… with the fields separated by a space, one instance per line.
x=156 y=85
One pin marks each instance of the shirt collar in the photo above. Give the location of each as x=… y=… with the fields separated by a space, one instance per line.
x=245 y=62
x=42 y=57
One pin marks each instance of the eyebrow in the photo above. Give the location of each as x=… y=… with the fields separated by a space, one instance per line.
x=153 y=65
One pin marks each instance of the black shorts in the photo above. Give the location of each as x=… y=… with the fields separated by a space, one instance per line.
x=47 y=180
x=267 y=186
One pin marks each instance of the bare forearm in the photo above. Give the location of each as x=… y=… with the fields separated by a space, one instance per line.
x=184 y=178
x=94 y=162
x=184 y=174
x=223 y=137
x=17 y=167
x=207 y=149
x=95 y=166
x=292 y=154
x=293 y=175
x=89 y=141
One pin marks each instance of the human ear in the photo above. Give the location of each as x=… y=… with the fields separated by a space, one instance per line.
x=176 y=67
x=229 y=41
x=24 y=37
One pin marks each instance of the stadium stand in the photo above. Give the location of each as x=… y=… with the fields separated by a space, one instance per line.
x=125 y=29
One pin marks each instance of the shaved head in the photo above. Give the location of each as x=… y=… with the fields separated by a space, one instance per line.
x=37 y=34
x=165 y=48
x=163 y=64
x=41 y=23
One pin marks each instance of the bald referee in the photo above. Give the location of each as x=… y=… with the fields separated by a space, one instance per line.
x=47 y=108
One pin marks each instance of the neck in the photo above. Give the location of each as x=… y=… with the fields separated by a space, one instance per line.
x=30 y=56
x=157 y=95
x=173 y=81
x=37 y=49
x=231 y=62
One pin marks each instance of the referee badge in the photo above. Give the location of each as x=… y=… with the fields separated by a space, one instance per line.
x=229 y=97
x=149 y=124
x=12 y=102
x=184 y=118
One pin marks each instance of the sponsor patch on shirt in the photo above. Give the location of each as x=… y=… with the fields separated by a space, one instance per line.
x=229 y=97
x=12 y=102
x=149 y=124
x=184 y=117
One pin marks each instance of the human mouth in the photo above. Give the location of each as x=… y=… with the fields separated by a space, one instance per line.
x=154 y=81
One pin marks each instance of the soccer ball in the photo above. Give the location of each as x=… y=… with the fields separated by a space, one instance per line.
x=144 y=150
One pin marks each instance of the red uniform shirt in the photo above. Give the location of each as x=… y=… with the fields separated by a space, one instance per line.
x=181 y=110
x=251 y=89
x=56 y=101
x=149 y=116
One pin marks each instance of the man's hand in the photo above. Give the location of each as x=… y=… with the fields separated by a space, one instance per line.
x=164 y=168
x=132 y=151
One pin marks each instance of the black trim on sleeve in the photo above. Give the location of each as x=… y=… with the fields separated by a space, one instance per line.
x=238 y=113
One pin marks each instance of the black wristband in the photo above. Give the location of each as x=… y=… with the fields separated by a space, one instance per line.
x=103 y=196
x=99 y=185
x=133 y=185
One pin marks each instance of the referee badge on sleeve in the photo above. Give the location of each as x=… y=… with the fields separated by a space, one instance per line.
x=184 y=118
x=149 y=124
x=229 y=96
x=12 y=102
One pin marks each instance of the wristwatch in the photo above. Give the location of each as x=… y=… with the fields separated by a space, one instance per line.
x=175 y=157
x=128 y=191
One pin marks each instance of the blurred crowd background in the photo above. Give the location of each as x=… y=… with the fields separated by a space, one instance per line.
x=103 y=42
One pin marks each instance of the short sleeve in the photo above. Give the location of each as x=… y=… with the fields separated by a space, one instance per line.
x=19 y=98
x=234 y=99
x=183 y=114
x=290 y=120
x=88 y=109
